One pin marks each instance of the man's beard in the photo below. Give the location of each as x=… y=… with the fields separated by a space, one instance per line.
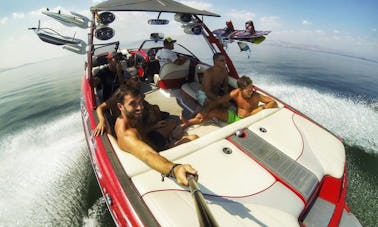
x=135 y=115
x=247 y=96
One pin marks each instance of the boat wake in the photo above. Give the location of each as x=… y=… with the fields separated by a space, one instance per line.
x=98 y=215
x=44 y=174
x=352 y=119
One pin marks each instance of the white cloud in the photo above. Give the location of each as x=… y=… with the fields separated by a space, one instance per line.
x=16 y=15
x=270 y=22
x=3 y=20
x=374 y=30
x=241 y=15
x=306 y=22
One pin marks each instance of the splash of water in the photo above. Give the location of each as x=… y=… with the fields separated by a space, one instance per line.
x=97 y=215
x=43 y=174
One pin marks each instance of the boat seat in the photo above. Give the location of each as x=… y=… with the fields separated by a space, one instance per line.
x=134 y=166
x=171 y=73
x=226 y=212
x=129 y=162
x=191 y=88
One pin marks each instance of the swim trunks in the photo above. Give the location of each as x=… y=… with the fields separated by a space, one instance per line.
x=232 y=117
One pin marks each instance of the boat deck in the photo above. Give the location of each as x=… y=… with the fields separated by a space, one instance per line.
x=278 y=153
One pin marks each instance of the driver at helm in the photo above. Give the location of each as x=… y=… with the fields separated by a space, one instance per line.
x=166 y=55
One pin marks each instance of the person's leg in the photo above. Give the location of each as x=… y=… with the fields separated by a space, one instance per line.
x=220 y=114
x=185 y=139
x=198 y=119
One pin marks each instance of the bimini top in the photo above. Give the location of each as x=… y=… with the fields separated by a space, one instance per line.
x=150 y=6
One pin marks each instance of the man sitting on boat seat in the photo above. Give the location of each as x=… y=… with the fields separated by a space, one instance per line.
x=160 y=130
x=131 y=136
x=215 y=81
x=166 y=55
x=246 y=99
x=110 y=77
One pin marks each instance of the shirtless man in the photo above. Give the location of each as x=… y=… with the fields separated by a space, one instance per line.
x=215 y=81
x=161 y=131
x=246 y=100
x=131 y=136
x=157 y=126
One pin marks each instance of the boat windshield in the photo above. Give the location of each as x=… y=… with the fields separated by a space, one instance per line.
x=105 y=47
x=148 y=44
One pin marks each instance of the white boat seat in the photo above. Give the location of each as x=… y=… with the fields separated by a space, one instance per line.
x=192 y=88
x=129 y=162
x=171 y=71
x=255 y=209
x=161 y=203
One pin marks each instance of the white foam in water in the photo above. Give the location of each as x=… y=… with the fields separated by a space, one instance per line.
x=352 y=120
x=42 y=172
x=96 y=212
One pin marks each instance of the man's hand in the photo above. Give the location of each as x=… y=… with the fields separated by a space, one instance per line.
x=100 y=129
x=181 y=172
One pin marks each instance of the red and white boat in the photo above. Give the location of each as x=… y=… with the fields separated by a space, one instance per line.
x=274 y=168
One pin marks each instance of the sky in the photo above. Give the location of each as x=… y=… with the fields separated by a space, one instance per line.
x=341 y=26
